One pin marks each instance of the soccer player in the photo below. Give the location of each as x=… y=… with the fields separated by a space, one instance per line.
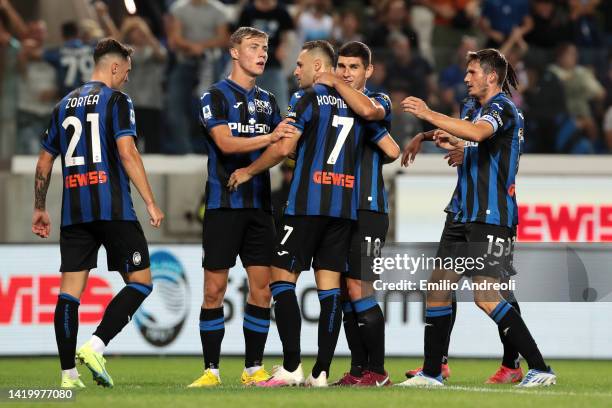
x=93 y=129
x=510 y=370
x=322 y=202
x=488 y=210
x=363 y=320
x=237 y=118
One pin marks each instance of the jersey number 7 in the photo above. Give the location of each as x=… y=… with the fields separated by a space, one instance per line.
x=347 y=125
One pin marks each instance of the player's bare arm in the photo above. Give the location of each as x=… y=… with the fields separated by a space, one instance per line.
x=389 y=147
x=362 y=105
x=130 y=158
x=41 y=224
x=414 y=147
x=463 y=129
x=228 y=144
x=272 y=156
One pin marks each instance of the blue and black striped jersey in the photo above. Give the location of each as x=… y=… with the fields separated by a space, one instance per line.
x=488 y=172
x=454 y=204
x=372 y=193
x=328 y=153
x=248 y=114
x=84 y=128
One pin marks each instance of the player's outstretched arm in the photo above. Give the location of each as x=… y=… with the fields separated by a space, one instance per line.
x=272 y=156
x=361 y=104
x=41 y=223
x=475 y=132
x=130 y=158
x=228 y=144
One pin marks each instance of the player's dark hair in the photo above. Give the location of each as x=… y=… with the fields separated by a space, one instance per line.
x=356 y=49
x=322 y=46
x=111 y=46
x=70 y=29
x=491 y=60
x=246 y=32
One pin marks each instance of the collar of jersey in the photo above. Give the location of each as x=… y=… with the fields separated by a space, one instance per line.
x=502 y=93
x=240 y=89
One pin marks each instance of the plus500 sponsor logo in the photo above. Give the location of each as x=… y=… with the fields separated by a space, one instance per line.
x=565 y=223
x=257 y=128
x=30 y=300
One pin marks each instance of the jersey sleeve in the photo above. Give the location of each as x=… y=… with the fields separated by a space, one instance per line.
x=213 y=109
x=52 y=56
x=375 y=131
x=494 y=114
x=50 y=140
x=124 y=118
x=384 y=101
x=300 y=108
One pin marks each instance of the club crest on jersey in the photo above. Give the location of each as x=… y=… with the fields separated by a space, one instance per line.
x=136 y=258
x=251 y=108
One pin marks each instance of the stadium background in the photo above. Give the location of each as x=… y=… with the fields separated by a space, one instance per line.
x=564 y=185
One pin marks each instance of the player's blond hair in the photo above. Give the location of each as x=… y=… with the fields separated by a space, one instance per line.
x=244 y=33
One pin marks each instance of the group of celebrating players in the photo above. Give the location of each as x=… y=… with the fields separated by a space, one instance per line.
x=338 y=134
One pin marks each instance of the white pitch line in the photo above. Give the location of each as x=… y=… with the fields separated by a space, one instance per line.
x=525 y=391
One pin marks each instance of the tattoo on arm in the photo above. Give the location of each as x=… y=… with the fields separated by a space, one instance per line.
x=41 y=184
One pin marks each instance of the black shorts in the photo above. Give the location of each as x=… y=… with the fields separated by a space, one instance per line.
x=367 y=240
x=229 y=232
x=312 y=239
x=124 y=241
x=491 y=247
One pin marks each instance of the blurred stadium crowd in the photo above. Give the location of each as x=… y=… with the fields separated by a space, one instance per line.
x=561 y=49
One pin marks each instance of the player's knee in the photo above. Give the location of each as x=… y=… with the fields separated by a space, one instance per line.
x=261 y=295
x=214 y=293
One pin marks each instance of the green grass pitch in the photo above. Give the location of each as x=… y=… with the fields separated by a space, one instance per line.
x=160 y=382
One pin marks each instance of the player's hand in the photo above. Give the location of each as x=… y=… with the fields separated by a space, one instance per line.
x=237 y=178
x=445 y=140
x=412 y=148
x=156 y=215
x=455 y=157
x=41 y=223
x=416 y=106
x=284 y=130
x=325 y=78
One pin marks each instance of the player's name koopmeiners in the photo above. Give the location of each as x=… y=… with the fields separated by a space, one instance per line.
x=331 y=100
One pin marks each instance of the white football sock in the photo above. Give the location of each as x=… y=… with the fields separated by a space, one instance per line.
x=97 y=344
x=72 y=373
x=252 y=370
